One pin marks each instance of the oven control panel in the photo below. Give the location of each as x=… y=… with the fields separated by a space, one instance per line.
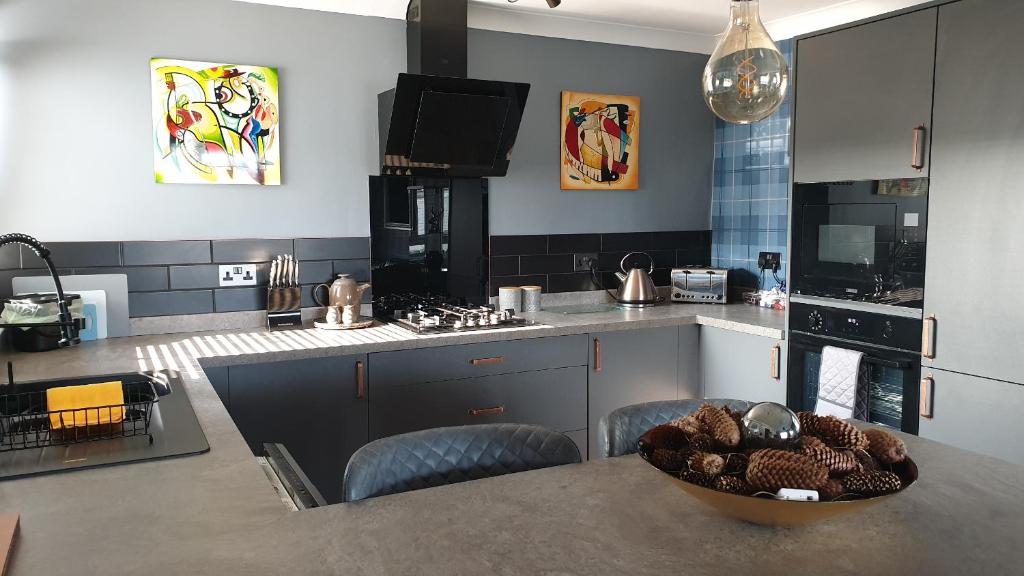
x=856 y=325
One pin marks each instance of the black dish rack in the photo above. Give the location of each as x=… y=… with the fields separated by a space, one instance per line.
x=26 y=422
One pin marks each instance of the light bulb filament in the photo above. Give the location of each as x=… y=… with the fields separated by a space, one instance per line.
x=746 y=72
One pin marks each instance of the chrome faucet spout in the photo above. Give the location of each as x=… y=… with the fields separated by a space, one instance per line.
x=67 y=336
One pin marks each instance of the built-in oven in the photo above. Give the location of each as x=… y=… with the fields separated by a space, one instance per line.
x=890 y=367
x=862 y=240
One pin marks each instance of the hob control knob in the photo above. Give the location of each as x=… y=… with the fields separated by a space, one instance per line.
x=815 y=322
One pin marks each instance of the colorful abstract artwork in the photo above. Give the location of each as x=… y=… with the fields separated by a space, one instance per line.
x=600 y=142
x=215 y=123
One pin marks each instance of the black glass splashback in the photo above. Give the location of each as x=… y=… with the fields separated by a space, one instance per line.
x=861 y=240
x=428 y=237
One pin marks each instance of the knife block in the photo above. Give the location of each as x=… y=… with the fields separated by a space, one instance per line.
x=284 y=307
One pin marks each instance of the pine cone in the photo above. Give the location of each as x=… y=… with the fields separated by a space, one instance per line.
x=695 y=478
x=833 y=431
x=666 y=437
x=838 y=462
x=688 y=424
x=875 y=483
x=722 y=427
x=830 y=490
x=885 y=446
x=770 y=470
x=736 y=415
x=668 y=460
x=701 y=443
x=732 y=485
x=808 y=441
x=707 y=463
x=867 y=462
x=736 y=463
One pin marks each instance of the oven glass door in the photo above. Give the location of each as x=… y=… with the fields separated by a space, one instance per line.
x=892 y=378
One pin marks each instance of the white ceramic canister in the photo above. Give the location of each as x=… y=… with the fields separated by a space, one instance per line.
x=510 y=297
x=531 y=298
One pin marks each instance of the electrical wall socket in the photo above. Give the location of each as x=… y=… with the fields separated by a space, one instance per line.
x=583 y=261
x=769 y=261
x=237 y=275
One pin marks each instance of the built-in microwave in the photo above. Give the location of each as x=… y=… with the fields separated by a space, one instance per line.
x=860 y=240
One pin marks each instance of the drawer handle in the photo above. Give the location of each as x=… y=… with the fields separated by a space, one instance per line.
x=928 y=337
x=597 y=355
x=493 y=411
x=774 y=368
x=360 y=380
x=917 y=154
x=927 y=391
x=487 y=361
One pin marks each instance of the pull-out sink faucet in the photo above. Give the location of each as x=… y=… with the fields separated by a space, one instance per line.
x=64 y=319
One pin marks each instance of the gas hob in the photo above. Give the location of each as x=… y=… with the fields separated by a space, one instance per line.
x=431 y=315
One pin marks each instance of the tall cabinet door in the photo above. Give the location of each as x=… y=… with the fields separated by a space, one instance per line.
x=976 y=205
x=629 y=367
x=860 y=93
x=974 y=414
x=317 y=408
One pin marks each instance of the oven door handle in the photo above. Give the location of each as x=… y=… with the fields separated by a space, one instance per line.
x=897 y=364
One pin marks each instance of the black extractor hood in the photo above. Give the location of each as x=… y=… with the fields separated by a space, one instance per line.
x=437 y=122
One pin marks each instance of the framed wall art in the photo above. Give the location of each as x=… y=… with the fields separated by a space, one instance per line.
x=600 y=142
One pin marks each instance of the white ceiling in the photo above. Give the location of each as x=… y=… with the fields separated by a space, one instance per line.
x=689 y=25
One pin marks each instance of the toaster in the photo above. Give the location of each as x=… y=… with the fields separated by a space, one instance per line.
x=700 y=285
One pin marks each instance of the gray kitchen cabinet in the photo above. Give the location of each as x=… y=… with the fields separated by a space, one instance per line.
x=688 y=363
x=742 y=366
x=860 y=93
x=556 y=398
x=629 y=367
x=317 y=408
x=974 y=413
x=976 y=201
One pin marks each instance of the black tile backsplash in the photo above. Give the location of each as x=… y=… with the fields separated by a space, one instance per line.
x=183 y=276
x=173 y=252
x=548 y=260
x=518 y=245
x=244 y=251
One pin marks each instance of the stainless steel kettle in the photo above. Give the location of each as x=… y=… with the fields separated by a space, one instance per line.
x=637 y=289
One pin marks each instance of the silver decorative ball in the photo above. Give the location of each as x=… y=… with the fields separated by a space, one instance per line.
x=770 y=425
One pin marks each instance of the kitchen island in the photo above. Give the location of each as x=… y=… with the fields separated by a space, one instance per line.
x=216 y=513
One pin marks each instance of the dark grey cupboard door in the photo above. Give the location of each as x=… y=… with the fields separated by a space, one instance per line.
x=312 y=406
x=976 y=204
x=860 y=92
x=629 y=367
x=975 y=414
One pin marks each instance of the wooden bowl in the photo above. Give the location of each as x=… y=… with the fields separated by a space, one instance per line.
x=771 y=512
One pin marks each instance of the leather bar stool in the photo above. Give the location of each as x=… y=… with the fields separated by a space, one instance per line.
x=621 y=429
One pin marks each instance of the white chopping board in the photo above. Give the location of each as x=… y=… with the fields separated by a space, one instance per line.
x=114 y=285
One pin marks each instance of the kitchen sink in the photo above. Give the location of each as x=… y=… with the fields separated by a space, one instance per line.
x=158 y=399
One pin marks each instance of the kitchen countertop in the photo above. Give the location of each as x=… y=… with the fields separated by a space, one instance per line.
x=217 y=513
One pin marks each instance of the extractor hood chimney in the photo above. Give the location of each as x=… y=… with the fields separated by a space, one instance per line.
x=437 y=122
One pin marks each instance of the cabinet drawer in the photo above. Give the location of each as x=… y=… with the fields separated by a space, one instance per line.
x=471 y=360
x=554 y=398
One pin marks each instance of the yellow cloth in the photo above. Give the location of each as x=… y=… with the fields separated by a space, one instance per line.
x=67 y=404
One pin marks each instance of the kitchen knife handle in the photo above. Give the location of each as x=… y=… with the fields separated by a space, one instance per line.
x=493 y=411
x=927 y=396
x=360 y=380
x=917 y=154
x=928 y=337
x=486 y=361
x=774 y=369
x=597 y=355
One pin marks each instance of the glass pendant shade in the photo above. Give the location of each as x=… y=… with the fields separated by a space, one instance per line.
x=746 y=78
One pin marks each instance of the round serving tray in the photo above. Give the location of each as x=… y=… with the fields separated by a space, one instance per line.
x=771 y=512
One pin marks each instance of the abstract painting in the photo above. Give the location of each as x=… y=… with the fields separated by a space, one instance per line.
x=215 y=123
x=600 y=142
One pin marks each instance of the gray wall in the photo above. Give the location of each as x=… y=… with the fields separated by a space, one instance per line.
x=676 y=135
x=74 y=85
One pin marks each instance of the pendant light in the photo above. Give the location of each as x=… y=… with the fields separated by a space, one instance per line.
x=746 y=78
